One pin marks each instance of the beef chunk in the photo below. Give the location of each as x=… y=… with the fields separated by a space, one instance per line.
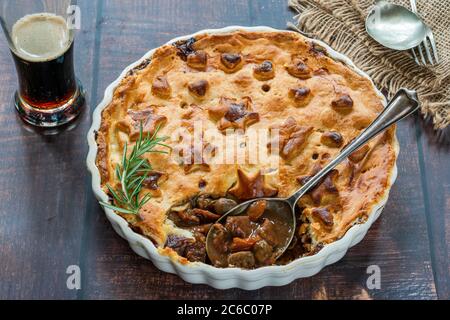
x=243 y=259
x=268 y=232
x=263 y=252
x=221 y=237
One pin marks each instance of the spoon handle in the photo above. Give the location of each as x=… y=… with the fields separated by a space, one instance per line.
x=404 y=103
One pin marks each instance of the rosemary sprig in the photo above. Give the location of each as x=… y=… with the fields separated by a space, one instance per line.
x=132 y=173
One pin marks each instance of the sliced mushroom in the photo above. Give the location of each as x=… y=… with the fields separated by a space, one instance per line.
x=184 y=218
x=204 y=201
x=205 y=215
x=223 y=205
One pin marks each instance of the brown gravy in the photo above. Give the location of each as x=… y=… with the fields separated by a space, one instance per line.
x=251 y=240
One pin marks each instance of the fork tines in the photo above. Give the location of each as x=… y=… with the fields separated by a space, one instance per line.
x=429 y=46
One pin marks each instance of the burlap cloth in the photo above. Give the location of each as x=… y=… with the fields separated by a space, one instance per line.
x=341 y=24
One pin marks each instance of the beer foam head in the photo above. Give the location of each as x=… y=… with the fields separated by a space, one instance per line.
x=41 y=37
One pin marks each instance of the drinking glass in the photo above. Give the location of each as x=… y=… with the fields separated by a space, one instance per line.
x=40 y=34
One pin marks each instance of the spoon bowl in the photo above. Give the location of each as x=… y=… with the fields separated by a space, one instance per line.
x=281 y=211
x=395 y=27
x=277 y=210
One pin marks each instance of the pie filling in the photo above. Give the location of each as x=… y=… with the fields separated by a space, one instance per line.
x=250 y=240
x=274 y=81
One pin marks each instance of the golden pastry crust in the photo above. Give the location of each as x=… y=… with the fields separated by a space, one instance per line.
x=260 y=80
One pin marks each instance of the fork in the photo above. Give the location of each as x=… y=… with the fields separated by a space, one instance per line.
x=425 y=45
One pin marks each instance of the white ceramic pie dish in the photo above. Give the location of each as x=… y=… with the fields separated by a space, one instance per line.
x=231 y=277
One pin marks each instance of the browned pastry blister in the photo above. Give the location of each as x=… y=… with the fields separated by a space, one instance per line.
x=161 y=87
x=244 y=81
x=264 y=71
x=291 y=138
x=298 y=68
x=231 y=62
x=198 y=60
x=198 y=88
x=234 y=114
x=332 y=139
x=147 y=118
x=301 y=96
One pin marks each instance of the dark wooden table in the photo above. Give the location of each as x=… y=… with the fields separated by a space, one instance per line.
x=50 y=220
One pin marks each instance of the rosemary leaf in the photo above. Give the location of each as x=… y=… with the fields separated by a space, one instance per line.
x=118 y=209
x=131 y=174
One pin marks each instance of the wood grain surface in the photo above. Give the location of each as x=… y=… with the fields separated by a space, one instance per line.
x=49 y=218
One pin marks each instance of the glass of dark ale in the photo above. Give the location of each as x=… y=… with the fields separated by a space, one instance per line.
x=40 y=34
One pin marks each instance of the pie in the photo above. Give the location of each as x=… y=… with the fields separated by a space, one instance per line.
x=233 y=84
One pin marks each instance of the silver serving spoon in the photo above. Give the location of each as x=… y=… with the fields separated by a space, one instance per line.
x=404 y=103
x=395 y=27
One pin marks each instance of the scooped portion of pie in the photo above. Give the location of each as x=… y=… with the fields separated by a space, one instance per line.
x=273 y=90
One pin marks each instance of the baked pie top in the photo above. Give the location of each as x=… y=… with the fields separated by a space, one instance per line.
x=240 y=81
